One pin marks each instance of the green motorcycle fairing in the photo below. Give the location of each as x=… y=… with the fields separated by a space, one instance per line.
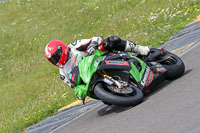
x=135 y=72
x=88 y=66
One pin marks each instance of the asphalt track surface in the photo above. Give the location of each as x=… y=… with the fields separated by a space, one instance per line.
x=173 y=108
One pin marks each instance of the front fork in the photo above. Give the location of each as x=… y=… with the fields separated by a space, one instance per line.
x=110 y=81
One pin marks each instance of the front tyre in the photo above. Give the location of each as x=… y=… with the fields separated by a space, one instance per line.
x=103 y=93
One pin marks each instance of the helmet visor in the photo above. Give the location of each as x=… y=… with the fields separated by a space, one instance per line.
x=56 y=56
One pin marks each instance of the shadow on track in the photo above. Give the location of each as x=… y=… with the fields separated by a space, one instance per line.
x=112 y=109
x=118 y=109
x=164 y=85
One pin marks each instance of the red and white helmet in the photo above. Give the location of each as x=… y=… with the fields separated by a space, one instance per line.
x=57 y=52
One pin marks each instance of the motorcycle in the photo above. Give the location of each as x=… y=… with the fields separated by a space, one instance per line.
x=119 y=78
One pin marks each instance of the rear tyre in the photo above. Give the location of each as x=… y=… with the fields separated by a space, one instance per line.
x=102 y=93
x=174 y=65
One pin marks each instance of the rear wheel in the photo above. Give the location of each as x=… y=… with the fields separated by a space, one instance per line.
x=174 y=65
x=102 y=91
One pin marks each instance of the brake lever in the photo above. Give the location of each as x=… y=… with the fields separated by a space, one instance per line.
x=163 y=51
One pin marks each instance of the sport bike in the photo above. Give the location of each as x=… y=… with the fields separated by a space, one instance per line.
x=118 y=78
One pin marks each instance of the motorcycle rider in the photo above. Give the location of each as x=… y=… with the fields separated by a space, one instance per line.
x=58 y=53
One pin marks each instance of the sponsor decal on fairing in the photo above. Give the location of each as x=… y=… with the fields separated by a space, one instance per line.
x=96 y=62
x=148 y=77
x=124 y=63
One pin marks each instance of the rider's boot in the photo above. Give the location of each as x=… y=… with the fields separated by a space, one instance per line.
x=132 y=47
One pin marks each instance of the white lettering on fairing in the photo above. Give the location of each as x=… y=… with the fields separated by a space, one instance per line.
x=145 y=76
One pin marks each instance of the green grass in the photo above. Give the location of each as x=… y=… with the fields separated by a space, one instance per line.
x=30 y=87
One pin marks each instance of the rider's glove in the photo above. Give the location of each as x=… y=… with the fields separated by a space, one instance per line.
x=92 y=47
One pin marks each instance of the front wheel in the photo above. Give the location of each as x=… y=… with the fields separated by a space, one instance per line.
x=102 y=92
